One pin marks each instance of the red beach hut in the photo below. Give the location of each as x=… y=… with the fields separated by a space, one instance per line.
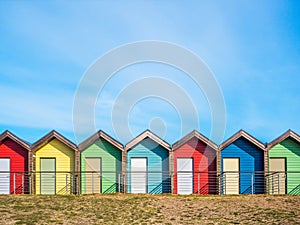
x=14 y=164
x=195 y=165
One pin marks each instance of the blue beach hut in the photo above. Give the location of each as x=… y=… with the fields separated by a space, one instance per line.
x=242 y=165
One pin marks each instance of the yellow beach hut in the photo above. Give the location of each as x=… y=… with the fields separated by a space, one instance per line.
x=56 y=160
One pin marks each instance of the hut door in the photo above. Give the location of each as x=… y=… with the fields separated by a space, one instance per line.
x=48 y=178
x=138 y=175
x=185 y=175
x=4 y=176
x=277 y=177
x=231 y=169
x=93 y=175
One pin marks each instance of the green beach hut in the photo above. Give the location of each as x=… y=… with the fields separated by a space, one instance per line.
x=101 y=164
x=284 y=164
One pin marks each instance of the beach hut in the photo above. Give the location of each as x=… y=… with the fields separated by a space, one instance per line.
x=195 y=165
x=148 y=164
x=56 y=160
x=242 y=165
x=14 y=164
x=284 y=164
x=101 y=164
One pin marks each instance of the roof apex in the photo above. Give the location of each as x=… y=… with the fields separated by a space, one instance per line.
x=147 y=134
x=100 y=134
x=15 y=138
x=244 y=134
x=50 y=136
x=197 y=135
x=288 y=134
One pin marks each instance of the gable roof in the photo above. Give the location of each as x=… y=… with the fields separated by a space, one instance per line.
x=147 y=134
x=13 y=137
x=49 y=137
x=244 y=134
x=285 y=135
x=100 y=134
x=194 y=134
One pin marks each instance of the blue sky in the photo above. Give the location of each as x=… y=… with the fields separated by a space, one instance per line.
x=252 y=47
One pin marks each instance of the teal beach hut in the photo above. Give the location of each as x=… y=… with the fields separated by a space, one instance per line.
x=101 y=164
x=148 y=164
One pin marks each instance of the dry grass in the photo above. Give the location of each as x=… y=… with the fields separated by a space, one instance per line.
x=149 y=209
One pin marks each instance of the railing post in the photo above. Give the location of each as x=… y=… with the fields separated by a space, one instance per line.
x=100 y=182
x=22 y=183
x=273 y=184
x=14 y=183
x=252 y=183
x=29 y=180
x=77 y=185
x=72 y=183
x=93 y=182
x=124 y=183
x=217 y=188
x=285 y=182
x=266 y=184
x=224 y=183
x=278 y=183
x=221 y=183
x=119 y=182
x=172 y=182
x=198 y=191
x=67 y=189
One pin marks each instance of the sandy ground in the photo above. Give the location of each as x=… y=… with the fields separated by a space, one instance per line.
x=149 y=209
